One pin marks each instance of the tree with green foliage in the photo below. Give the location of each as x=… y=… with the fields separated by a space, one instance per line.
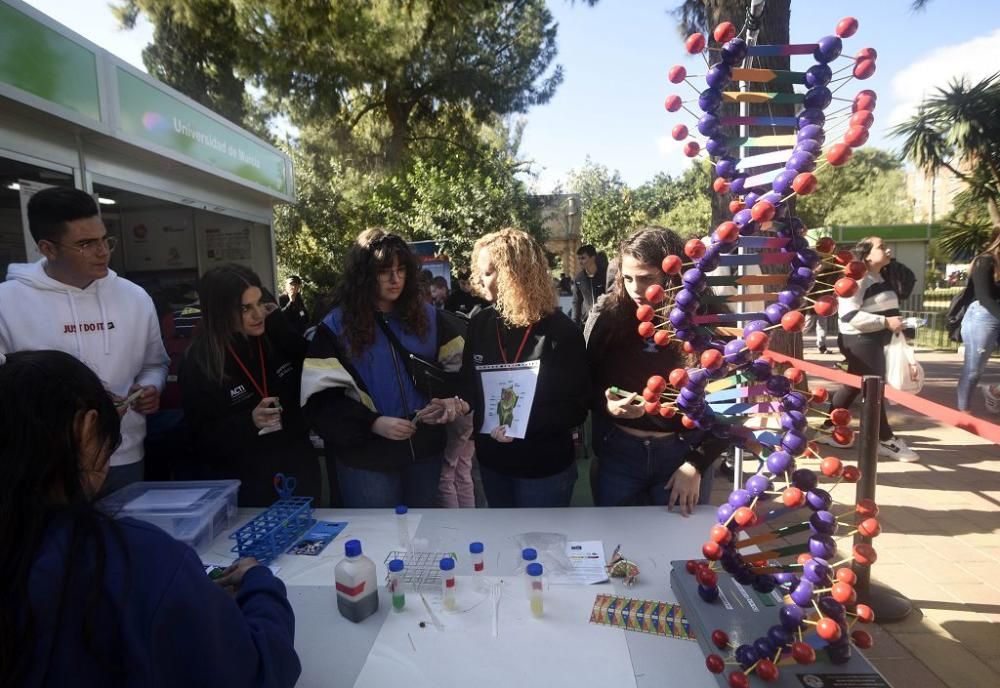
x=454 y=197
x=398 y=63
x=869 y=190
x=691 y=215
x=440 y=193
x=958 y=129
x=399 y=104
x=607 y=206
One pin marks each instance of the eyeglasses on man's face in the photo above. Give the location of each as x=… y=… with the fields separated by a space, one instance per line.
x=91 y=246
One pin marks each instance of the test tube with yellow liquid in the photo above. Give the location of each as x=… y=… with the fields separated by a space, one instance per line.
x=535 y=586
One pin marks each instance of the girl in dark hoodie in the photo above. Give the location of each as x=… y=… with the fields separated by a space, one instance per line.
x=88 y=601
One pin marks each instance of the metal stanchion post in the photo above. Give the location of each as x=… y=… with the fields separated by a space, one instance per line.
x=887 y=604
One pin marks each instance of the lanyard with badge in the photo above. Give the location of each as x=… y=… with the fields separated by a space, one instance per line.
x=261 y=387
x=508 y=390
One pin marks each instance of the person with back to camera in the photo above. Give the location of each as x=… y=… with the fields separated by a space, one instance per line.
x=71 y=301
x=643 y=458
x=91 y=601
x=521 y=333
x=463 y=300
x=868 y=319
x=385 y=435
x=240 y=386
x=981 y=322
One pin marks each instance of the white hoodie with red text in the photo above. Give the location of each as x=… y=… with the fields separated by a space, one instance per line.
x=111 y=326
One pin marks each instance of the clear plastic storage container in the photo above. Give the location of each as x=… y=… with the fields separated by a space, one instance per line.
x=194 y=512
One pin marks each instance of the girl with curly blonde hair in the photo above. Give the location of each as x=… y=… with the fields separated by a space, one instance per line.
x=524 y=373
x=524 y=292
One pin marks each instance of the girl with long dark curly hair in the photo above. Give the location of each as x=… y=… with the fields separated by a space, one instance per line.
x=385 y=435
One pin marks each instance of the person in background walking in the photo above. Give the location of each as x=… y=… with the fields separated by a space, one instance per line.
x=868 y=319
x=981 y=322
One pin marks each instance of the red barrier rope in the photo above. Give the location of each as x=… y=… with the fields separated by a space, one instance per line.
x=949 y=416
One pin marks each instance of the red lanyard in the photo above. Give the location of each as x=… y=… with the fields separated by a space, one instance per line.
x=503 y=352
x=262 y=391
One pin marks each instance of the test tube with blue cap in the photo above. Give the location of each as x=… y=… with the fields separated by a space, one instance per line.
x=402 y=522
x=396 y=585
x=448 y=583
x=535 y=586
x=476 y=550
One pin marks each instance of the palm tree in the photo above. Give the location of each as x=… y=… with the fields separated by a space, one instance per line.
x=958 y=129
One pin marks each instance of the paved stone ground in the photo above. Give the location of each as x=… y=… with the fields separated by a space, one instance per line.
x=940 y=545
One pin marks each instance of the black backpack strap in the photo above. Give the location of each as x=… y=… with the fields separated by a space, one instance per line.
x=391 y=336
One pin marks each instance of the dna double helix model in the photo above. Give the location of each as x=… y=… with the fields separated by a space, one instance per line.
x=735 y=391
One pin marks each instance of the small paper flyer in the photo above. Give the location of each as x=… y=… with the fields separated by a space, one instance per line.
x=508 y=393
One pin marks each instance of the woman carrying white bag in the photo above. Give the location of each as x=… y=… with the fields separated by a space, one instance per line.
x=869 y=320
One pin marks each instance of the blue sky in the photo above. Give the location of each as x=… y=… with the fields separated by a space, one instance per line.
x=616 y=56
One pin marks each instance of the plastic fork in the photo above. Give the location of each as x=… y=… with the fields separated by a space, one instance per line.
x=496 y=590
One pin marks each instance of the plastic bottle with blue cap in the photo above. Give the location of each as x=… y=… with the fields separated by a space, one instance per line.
x=357 y=587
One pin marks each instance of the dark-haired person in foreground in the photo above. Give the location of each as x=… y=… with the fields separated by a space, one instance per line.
x=91 y=601
x=71 y=301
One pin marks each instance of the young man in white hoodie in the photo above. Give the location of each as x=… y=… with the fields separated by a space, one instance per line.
x=71 y=301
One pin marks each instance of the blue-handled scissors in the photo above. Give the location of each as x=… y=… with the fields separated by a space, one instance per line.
x=284 y=486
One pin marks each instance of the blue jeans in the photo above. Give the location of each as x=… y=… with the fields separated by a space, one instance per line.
x=632 y=471
x=980 y=334
x=415 y=485
x=504 y=492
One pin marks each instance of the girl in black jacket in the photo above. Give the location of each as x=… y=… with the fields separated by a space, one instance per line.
x=240 y=383
x=644 y=458
x=525 y=373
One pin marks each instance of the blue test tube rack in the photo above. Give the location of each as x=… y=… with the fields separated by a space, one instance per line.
x=271 y=532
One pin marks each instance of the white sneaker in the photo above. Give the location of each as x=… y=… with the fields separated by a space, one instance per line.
x=895 y=448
